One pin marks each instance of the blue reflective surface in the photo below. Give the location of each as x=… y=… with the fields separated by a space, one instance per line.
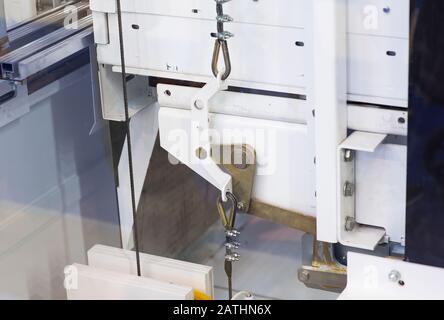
x=425 y=206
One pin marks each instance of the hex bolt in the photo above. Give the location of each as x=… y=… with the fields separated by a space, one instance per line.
x=232 y=233
x=234 y=257
x=349 y=189
x=305 y=276
x=350 y=224
x=232 y=245
x=349 y=155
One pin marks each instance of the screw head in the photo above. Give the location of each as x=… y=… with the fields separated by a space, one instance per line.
x=394 y=276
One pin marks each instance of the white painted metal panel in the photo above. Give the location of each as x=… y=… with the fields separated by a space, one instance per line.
x=373 y=70
x=196 y=276
x=363 y=237
x=144 y=127
x=101 y=34
x=363 y=141
x=237 y=104
x=378 y=120
x=357 y=235
x=389 y=18
x=166 y=40
x=107 y=6
x=360 y=117
x=368 y=279
x=183 y=46
x=381 y=189
x=173 y=41
x=283 y=173
x=288 y=13
x=88 y=283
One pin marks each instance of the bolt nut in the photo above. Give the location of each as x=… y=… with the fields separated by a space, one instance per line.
x=234 y=257
x=349 y=189
x=232 y=245
x=304 y=276
x=350 y=224
x=349 y=155
x=232 y=233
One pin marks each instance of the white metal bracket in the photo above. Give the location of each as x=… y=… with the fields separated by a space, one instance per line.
x=201 y=160
x=375 y=278
x=350 y=232
x=197 y=140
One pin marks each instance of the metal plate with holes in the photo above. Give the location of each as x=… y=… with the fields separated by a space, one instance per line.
x=241 y=167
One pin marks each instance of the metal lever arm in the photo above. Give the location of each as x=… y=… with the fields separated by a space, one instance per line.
x=201 y=161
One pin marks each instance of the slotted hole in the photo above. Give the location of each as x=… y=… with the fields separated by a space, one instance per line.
x=391 y=53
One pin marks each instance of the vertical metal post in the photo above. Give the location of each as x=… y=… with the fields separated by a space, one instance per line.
x=329 y=90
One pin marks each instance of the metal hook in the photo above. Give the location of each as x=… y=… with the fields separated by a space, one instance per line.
x=226 y=54
x=228 y=220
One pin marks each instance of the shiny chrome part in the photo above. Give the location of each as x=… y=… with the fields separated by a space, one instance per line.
x=45 y=51
x=233 y=257
x=43 y=41
x=232 y=245
x=394 y=276
x=233 y=233
x=221 y=41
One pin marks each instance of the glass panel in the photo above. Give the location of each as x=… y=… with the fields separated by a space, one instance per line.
x=57 y=183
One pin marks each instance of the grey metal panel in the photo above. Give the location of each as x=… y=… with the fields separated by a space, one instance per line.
x=60 y=51
x=10 y=63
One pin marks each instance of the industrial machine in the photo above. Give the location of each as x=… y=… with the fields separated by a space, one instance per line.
x=296 y=112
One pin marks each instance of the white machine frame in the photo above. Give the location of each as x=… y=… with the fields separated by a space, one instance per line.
x=348 y=58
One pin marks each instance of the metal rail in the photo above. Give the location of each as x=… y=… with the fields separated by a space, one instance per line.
x=48 y=49
x=54 y=20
